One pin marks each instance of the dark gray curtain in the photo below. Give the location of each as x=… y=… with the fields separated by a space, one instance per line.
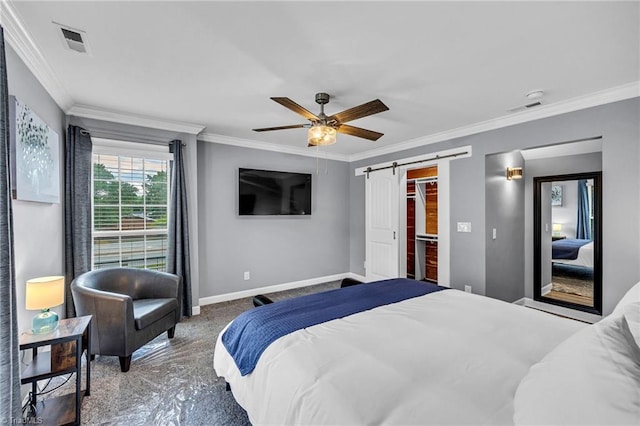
x=583 y=229
x=9 y=356
x=77 y=209
x=178 y=245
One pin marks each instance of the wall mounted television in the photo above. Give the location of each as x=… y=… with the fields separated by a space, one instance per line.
x=268 y=192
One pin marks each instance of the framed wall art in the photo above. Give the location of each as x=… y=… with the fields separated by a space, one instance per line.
x=556 y=195
x=35 y=156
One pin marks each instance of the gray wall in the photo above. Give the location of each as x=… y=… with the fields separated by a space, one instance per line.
x=617 y=123
x=38 y=227
x=278 y=250
x=557 y=166
x=567 y=213
x=274 y=249
x=504 y=212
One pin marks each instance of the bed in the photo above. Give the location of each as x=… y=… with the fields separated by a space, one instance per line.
x=447 y=357
x=572 y=251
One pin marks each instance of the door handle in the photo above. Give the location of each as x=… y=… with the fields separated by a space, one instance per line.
x=394 y=235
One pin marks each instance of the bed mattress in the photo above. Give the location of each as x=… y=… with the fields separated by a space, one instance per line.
x=444 y=358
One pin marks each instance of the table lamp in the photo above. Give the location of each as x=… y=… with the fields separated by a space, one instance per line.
x=44 y=293
x=557 y=229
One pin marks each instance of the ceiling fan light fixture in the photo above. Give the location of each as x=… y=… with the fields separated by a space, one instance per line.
x=321 y=135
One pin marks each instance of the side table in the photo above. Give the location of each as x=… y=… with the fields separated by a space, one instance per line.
x=68 y=342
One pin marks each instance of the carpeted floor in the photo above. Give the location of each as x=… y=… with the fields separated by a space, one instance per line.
x=170 y=382
x=573 y=280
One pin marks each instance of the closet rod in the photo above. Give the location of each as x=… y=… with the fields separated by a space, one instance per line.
x=395 y=164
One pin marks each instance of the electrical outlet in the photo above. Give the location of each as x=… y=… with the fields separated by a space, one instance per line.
x=247 y=275
x=467 y=288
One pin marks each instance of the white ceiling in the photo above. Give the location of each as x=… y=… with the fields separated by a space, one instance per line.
x=438 y=66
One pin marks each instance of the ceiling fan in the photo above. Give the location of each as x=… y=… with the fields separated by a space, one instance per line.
x=323 y=129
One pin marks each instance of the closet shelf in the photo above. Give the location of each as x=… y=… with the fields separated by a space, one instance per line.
x=427 y=237
x=432 y=179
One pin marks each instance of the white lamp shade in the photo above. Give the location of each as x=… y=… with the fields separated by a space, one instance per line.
x=556 y=227
x=44 y=292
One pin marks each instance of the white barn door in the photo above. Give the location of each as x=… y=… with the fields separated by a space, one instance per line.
x=381 y=225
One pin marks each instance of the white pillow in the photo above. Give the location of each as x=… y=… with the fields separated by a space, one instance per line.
x=631 y=313
x=592 y=378
x=631 y=296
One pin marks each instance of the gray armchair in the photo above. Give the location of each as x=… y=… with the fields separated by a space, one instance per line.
x=130 y=307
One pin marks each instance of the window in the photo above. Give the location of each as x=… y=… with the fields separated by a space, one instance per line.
x=130 y=207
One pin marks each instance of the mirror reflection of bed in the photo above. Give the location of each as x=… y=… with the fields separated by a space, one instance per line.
x=572 y=244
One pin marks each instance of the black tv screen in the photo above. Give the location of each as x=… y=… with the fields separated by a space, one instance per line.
x=267 y=192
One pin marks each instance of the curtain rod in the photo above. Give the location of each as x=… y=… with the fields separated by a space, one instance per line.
x=395 y=164
x=126 y=137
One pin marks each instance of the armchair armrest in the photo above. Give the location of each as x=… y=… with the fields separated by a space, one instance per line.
x=112 y=326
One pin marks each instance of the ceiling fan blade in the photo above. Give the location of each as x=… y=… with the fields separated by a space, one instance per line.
x=288 y=103
x=293 y=126
x=359 y=111
x=361 y=133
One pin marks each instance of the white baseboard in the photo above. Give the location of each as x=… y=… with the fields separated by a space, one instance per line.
x=195 y=310
x=559 y=310
x=274 y=288
x=547 y=289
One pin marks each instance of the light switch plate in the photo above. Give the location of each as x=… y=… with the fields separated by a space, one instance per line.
x=464 y=226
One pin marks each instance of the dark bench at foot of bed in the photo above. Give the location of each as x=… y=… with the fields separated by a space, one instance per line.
x=260 y=300
x=348 y=282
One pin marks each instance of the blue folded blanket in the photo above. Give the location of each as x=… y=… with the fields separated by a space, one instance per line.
x=253 y=331
x=567 y=249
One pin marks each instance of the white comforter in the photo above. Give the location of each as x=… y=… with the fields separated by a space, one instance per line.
x=584 y=258
x=444 y=358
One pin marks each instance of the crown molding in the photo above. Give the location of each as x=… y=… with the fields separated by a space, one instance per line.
x=268 y=146
x=86 y=111
x=614 y=94
x=26 y=48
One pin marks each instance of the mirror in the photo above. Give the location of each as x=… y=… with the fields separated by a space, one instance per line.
x=567 y=239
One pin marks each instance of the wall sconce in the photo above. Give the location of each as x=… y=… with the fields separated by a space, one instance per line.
x=514 y=173
x=44 y=293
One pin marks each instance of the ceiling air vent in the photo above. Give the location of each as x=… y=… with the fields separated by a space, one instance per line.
x=525 y=107
x=73 y=39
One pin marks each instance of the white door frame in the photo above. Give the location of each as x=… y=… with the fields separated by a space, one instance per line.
x=444 y=214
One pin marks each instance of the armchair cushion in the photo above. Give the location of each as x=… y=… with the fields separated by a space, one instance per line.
x=148 y=311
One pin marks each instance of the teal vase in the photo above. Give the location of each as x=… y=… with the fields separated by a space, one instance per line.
x=45 y=322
